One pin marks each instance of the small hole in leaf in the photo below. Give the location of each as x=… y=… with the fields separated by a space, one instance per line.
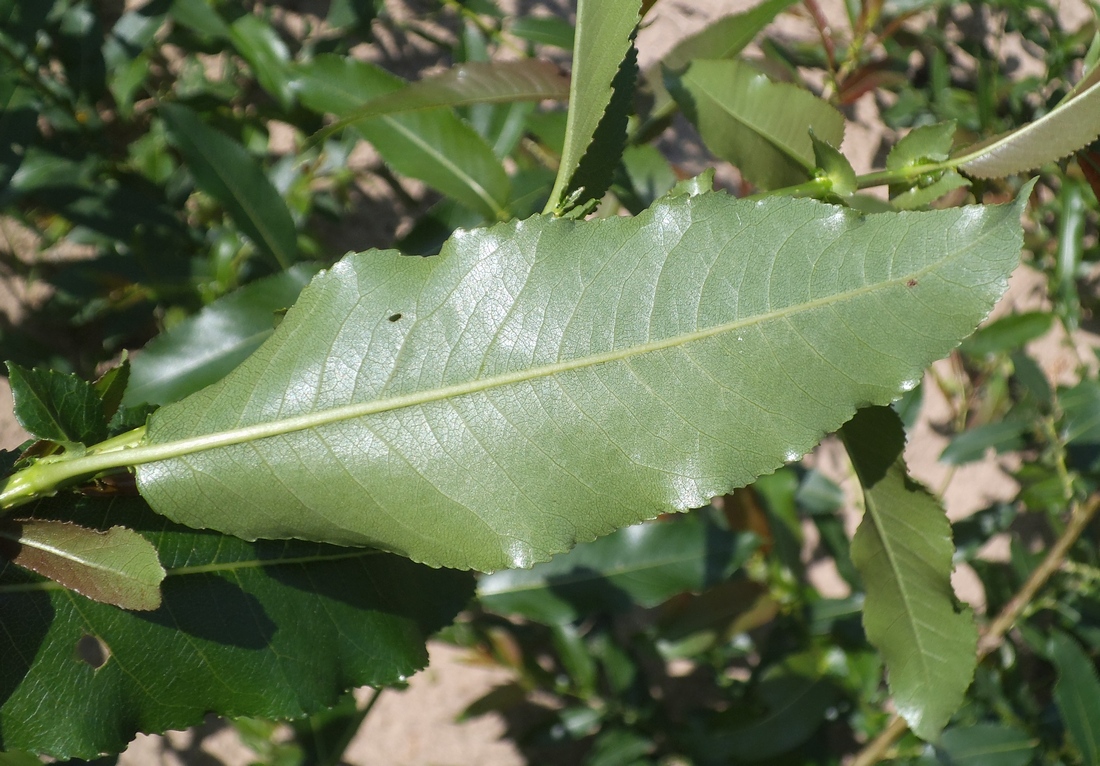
x=394 y=317
x=92 y=650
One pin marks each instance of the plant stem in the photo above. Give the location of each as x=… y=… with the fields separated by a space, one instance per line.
x=992 y=637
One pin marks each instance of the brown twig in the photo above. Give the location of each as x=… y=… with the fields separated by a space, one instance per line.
x=994 y=634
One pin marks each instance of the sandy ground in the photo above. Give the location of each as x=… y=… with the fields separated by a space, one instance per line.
x=416 y=727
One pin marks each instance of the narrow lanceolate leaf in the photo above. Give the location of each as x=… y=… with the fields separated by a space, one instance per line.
x=205 y=347
x=276 y=630
x=117 y=566
x=903 y=551
x=473 y=82
x=228 y=173
x=1077 y=695
x=604 y=32
x=1071 y=125
x=762 y=127
x=433 y=145
x=55 y=406
x=597 y=167
x=546 y=381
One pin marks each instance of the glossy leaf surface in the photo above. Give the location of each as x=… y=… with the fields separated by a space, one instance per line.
x=642 y=565
x=547 y=381
x=903 y=551
x=114 y=566
x=762 y=127
x=264 y=629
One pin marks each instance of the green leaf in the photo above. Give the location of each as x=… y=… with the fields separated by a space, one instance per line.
x=204 y=348
x=723 y=38
x=58 y=407
x=903 y=552
x=1008 y=333
x=473 y=82
x=277 y=630
x=266 y=53
x=986 y=744
x=760 y=126
x=1072 y=125
x=200 y=17
x=227 y=172
x=432 y=145
x=495 y=404
x=597 y=167
x=794 y=707
x=921 y=145
x=972 y=444
x=642 y=565
x=603 y=40
x=110 y=387
x=1077 y=694
x=117 y=566
x=835 y=166
x=544 y=30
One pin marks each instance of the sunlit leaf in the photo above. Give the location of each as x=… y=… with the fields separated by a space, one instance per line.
x=492 y=406
x=604 y=32
x=116 y=566
x=762 y=127
x=903 y=552
x=1070 y=126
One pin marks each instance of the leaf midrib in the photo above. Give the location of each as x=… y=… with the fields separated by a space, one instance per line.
x=901 y=579
x=168 y=450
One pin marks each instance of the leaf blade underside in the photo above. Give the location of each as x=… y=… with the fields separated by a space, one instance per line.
x=544 y=382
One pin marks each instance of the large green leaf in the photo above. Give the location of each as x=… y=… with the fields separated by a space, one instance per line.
x=203 y=348
x=604 y=36
x=495 y=404
x=762 y=127
x=253 y=629
x=228 y=173
x=1072 y=125
x=903 y=551
x=433 y=145
x=641 y=565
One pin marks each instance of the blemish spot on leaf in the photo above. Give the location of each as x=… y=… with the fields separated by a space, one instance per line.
x=911 y=283
x=92 y=650
x=393 y=317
